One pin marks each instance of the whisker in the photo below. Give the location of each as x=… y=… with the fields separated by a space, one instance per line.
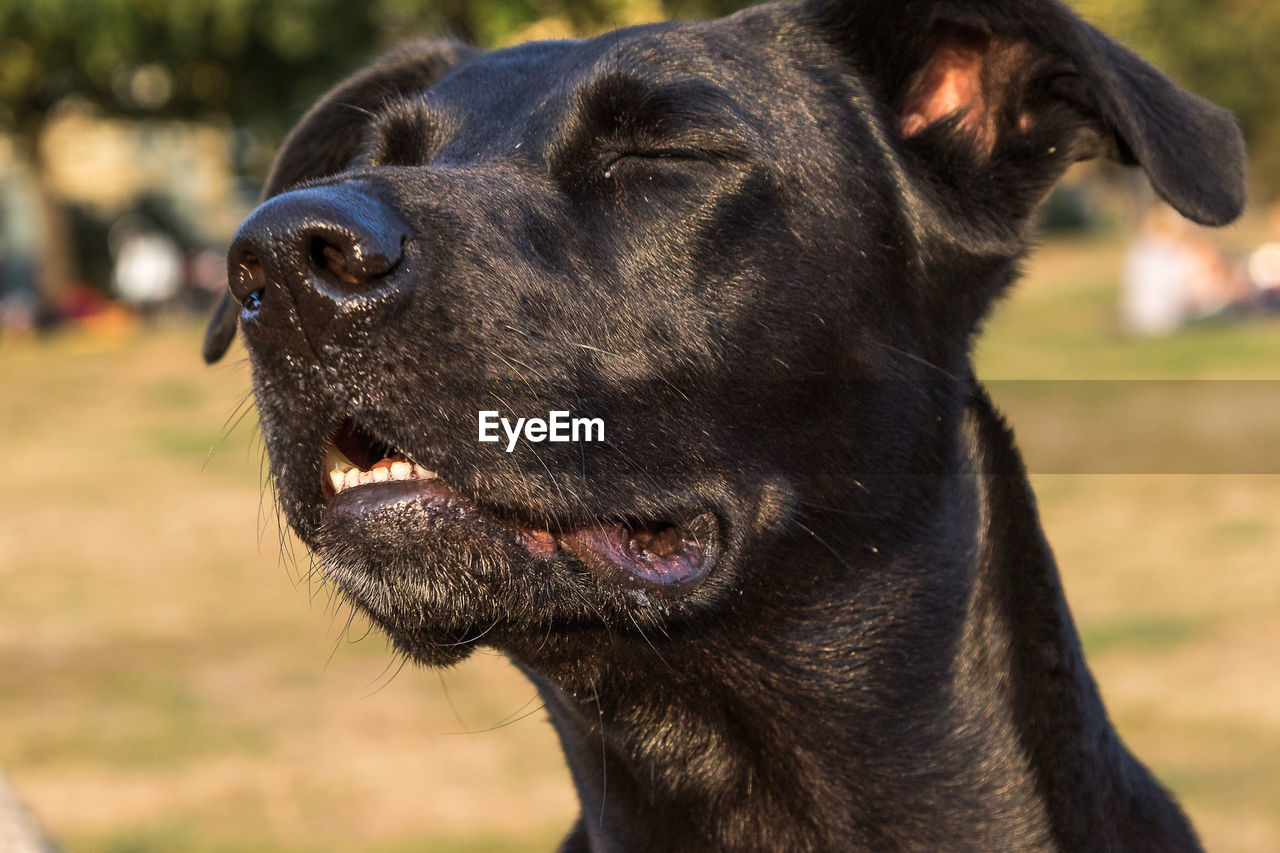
x=469 y=640
x=591 y=348
x=404 y=659
x=840 y=511
x=823 y=543
x=649 y=642
x=448 y=697
x=351 y=617
x=918 y=359
x=604 y=751
x=511 y=722
x=233 y=421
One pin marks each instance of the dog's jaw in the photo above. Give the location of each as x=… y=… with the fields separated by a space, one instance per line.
x=662 y=557
x=444 y=558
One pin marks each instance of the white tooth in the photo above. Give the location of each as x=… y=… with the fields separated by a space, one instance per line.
x=366 y=477
x=335 y=477
x=336 y=459
x=352 y=478
x=422 y=473
x=380 y=475
x=401 y=470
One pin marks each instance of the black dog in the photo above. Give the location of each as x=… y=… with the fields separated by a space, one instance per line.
x=798 y=597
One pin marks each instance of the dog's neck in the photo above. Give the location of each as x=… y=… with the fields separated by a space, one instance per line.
x=723 y=740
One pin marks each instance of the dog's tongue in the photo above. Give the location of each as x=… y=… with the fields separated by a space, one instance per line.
x=655 y=558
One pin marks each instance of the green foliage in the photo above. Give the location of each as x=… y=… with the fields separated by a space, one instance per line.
x=260 y=62
x=257 y=62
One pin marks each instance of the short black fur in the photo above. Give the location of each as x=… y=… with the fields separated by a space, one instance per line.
x=758 y=248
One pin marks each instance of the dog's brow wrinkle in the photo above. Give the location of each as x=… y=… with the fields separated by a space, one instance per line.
x=405 y=133
x=628 y=111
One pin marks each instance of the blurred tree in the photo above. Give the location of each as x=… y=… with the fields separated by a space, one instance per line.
x=260 y=62
x=255 y=61
x=252 y=62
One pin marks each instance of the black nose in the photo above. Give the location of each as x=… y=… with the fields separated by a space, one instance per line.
x=326 y=245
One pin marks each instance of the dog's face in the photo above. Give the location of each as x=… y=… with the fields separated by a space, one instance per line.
x=754 y=248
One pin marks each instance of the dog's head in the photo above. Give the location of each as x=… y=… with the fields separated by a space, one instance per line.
x=756 y=248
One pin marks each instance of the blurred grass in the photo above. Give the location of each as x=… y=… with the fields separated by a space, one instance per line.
x=1060 y=324
x=166 y=679
x=1172 y=577
x=171 y=680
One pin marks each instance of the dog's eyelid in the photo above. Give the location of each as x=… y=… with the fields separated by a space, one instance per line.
x=657 y=154
x=670 y=153
x=619 y=114
x=711 y=144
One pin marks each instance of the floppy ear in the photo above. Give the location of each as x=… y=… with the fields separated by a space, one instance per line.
x=330 y=136
x=1008 y=93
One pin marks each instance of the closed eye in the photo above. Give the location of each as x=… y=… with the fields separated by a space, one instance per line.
x=659 y=154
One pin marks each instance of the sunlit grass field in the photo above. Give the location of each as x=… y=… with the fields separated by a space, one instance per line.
x=171 y=679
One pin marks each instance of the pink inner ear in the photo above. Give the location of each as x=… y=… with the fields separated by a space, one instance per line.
x=951 y=86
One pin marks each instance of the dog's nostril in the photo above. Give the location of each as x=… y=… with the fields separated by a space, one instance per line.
x=249 y=277
x=328 y=258
x=352 y=263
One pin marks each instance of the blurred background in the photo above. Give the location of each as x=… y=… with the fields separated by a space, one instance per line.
x=171 y=677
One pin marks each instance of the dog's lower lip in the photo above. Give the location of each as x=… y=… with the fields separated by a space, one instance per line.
x=367 y=499
x=662 y=558
x=657 y=556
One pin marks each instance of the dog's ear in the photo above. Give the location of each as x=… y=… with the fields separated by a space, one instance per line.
x=330 y=136
x=1008 y=93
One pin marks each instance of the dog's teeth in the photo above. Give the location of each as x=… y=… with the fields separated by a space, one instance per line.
x=336 y=460
x=344 y=474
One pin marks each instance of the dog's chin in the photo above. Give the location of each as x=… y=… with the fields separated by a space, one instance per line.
x=441 y=574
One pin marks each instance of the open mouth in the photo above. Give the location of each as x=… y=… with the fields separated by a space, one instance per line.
x=363 y=475
x=354 y=458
